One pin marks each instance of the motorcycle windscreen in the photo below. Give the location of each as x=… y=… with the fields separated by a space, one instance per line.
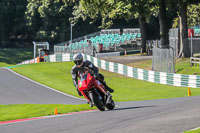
x=82 y=85
x=87 y=83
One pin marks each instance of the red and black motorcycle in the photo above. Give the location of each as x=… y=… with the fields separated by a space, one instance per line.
x=93 y=90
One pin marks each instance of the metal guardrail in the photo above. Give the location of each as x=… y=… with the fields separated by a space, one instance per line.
x=194 y=61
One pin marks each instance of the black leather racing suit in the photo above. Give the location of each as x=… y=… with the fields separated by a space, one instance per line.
x=77 y=71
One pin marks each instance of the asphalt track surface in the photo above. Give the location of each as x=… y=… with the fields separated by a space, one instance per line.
x=15 y=89
x=173 y=115
x=127 y=59
x=155 y=116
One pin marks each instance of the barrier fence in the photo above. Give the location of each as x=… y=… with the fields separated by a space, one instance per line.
x=141 y=74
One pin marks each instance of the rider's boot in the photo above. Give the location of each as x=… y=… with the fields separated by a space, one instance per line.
x=108 y=96
x=91 y=105
x=107 y=87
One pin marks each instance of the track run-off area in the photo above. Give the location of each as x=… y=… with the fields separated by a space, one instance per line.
x=174 y=115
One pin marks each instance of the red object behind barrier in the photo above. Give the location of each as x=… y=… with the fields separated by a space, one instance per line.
x=190 y=32
x=100 y=47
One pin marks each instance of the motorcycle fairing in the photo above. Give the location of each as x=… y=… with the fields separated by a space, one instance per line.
x=86 y=83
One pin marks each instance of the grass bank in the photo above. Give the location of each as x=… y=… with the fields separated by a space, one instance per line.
x=12 y=56
x=58 y=76
x=182 y=66
x=193 y=131
x=147 y=64
x=21 y=111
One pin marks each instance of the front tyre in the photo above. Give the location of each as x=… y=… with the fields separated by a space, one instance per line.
x=97 y=102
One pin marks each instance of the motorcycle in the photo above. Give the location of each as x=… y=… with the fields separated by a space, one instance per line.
x=94 y=91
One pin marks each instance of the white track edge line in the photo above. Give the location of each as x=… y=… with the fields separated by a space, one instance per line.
x=51 y=116
x=43 y=85
x=195 y=129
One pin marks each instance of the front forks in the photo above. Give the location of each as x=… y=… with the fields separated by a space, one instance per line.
x=83 y=93
x=89 y=95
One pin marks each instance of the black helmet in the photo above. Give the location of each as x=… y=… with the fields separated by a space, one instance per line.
x=78 y=59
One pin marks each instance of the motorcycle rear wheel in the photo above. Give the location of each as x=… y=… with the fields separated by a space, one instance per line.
x=110 y=105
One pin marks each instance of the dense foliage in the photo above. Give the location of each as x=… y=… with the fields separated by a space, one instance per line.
x=22 y=21
x=12 y=22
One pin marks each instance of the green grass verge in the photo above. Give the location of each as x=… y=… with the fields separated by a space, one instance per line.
x=55 y=75
x=193 y=131
x=12 y=56
x=183 y=67
x=2 y=64
x=58 y=76
x=147 y=64
x=21 y=111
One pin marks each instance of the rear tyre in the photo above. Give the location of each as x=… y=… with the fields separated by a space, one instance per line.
x=98 y=103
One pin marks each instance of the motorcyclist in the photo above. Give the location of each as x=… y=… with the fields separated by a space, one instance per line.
x=82 y=66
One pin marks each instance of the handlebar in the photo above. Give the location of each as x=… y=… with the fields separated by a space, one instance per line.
x=90 y=71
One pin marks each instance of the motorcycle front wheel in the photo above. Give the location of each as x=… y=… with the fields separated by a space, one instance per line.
x=97 y=102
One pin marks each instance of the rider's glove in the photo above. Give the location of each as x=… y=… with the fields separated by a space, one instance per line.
x=91 y=72
x=79 y=93
x=95 y=75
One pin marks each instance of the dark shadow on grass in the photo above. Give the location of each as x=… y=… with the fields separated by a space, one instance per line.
x=180 y=69
x=136 y=107
x=15 y=55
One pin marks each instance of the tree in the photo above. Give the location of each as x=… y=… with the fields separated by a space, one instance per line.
x=142 y=10
x=165 y=10
x=142 y=13
x=4 y=32
x=110 y=10
x=183 y=21
x=164 y=28
x=193 y=14
x=49 y=19
x=32 y=17
x=184 y=47
x=12 y=24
